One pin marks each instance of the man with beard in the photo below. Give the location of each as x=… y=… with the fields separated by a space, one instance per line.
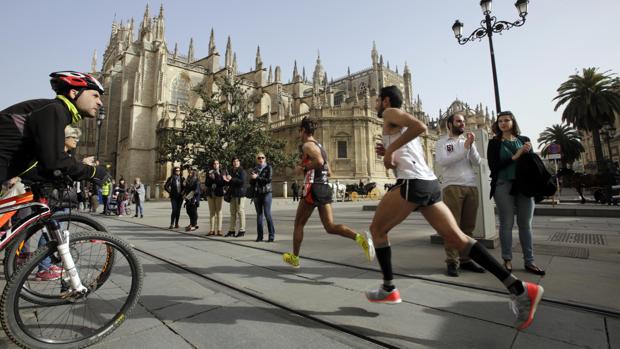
x=456 y=154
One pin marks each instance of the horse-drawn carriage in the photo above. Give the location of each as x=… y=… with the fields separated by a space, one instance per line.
x=356 y=192
x=597 y=184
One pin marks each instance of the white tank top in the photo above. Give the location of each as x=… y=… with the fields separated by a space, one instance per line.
x=409 y=159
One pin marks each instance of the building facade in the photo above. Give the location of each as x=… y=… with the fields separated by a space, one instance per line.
x=147 y=85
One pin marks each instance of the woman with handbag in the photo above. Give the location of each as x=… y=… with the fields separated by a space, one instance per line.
x=191 y=195
x=215 y=195
x=260 y=180
x=235 y=195
x=503 y=152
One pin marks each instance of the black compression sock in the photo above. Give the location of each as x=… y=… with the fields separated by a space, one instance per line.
x=384 y=256
x=481 y=255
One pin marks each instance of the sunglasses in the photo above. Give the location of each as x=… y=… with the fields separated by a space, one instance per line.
x=260 y=157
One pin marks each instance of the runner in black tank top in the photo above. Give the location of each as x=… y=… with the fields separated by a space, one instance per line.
x=317 y=193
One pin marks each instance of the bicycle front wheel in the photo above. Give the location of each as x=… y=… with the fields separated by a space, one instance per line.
x=73 y=320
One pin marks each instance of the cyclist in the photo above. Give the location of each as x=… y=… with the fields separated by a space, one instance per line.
x=33 y=131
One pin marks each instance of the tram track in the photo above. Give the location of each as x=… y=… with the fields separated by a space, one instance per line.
x=550 y=301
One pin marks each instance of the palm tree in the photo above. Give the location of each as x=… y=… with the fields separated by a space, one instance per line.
x=592 y=100
x=567 y=137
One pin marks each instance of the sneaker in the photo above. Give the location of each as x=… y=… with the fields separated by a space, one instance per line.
x=56 y=269
x=382 y=296
x=291 y=259
x=524 y=305
x=47 y=275
x=365 y=242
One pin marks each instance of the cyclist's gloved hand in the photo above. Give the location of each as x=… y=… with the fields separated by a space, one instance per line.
x=101 y=175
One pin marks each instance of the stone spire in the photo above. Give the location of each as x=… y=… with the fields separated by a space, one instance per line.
x=317 y=76
x=176 y=50
x=269 y=76
x=212 y=48
x=408 y=93
x=228 y=55
x=93 y=63
x=303 y=73
x=348 y=71
x=278 y=75
x=374 y=55
x=234 y=63
x=190 y=52
x=295 y=72
x=381 y=60
x=159 y=25
x=145 y=27
x=259 y=61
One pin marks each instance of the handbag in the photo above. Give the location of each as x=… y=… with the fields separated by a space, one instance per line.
x=249 y=193
x=227 y=194
x=189 y=196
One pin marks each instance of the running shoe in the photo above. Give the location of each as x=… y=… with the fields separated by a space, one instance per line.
x=382 y=296
x=47 y=275
x=524 y=305
x=365 y=242
x=291 y=259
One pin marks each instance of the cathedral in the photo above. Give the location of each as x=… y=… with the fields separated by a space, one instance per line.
x=147 y=86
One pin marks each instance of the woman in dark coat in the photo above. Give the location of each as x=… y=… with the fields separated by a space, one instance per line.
x=503 y=152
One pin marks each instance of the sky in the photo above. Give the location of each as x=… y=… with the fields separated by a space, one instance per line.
x=558 y=39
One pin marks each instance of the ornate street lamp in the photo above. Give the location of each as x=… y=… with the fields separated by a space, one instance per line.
x=100 y=118
x=488 y=26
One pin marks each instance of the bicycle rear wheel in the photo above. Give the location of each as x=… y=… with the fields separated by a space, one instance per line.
x=71 y=320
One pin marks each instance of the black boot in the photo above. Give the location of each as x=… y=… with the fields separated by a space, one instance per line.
x=229 y=234
x=240 y=234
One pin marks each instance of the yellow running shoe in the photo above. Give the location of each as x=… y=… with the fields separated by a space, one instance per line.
x=365 y=242
x=291 y=259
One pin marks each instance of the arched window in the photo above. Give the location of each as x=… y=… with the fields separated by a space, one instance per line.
x=180 y=90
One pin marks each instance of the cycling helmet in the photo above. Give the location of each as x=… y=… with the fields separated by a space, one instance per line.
x=63 y=81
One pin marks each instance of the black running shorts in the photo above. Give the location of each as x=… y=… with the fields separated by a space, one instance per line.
x=419 y=191
x=318 y=194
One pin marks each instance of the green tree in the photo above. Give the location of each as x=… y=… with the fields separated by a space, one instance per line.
x=592 y=100
x=567 y=137
x=223 y=128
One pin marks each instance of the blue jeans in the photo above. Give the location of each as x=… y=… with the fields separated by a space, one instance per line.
x=507 y=206
x=262 y=204
x=139 y=209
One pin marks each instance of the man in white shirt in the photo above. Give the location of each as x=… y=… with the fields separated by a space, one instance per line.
x=456 y=154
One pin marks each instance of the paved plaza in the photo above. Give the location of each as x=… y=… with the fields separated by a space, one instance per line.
x=215 y=292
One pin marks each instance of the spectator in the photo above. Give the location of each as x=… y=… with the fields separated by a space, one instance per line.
x=191 y=194
x=260 y=180
x=236 y=181
x=139 y=194
x=174 y=187
x=295 y=190
x=503 y=152
x=215 y=195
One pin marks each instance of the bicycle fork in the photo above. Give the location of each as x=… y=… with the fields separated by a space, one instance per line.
x=62 y=238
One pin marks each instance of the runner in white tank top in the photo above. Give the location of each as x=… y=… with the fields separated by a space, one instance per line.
x=409 y=159
x=418 y=188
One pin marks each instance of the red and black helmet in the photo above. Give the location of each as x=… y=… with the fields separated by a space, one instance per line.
x=63 y=81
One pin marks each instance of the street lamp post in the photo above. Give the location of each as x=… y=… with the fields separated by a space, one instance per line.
x=100 y=118
x=609 y=133
x=488 y=26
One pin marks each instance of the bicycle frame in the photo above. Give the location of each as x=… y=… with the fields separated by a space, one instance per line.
x=11 y=205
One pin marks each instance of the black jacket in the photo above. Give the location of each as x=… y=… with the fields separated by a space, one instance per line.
x=495 y=164
x=32 y=131
x=532 y=178
x=237 y=182
x=172 y=189
x=215 y=186
x=262 y=183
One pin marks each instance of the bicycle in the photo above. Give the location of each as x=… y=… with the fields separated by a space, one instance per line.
x=100 y=283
